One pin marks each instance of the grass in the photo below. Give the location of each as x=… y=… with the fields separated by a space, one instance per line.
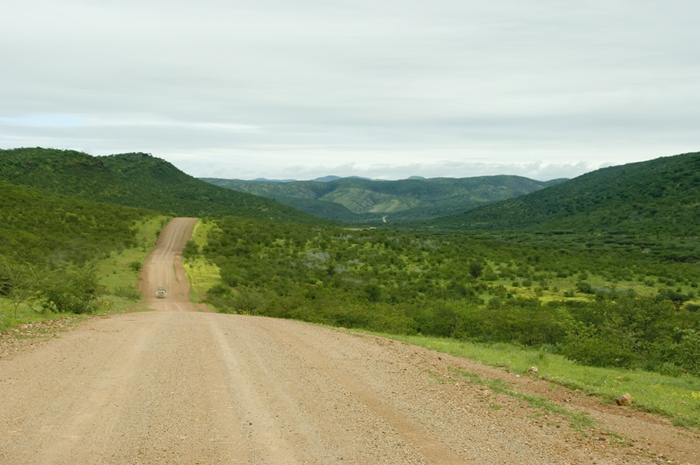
x=579 y=421
x=201 y=274
x=677 y=398
x=118 y=274
x=25 y=315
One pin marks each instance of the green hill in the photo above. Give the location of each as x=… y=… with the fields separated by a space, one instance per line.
x=136 y=180
x=41 y=227
x=363 y=200
x=660 y=196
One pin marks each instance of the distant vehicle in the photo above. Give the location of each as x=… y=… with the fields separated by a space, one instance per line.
x=160 y=293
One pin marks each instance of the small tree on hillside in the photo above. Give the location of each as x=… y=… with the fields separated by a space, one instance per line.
x=676 y=298
x=475 y=269
x=71 y=290
x=18 y=282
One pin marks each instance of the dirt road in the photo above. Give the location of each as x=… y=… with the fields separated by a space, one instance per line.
x=179 y=386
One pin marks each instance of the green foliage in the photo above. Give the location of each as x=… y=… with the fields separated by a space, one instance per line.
x=675 y=395
x=458 y=286
x=18 y=282
x=620 y=292
x=191 y=250
x=475 y=269
x=366 y=201
x=675 y=297
x=70 y=291
x=136 y=180
x=47 y=239
x=645 y=198
x=38 y=227
x=688 y=351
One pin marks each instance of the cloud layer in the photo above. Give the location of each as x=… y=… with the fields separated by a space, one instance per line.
x=380 y=89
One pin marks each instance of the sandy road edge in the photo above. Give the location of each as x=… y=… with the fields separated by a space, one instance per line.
x=643 y=432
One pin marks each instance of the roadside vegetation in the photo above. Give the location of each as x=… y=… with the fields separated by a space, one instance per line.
x=202 y=274
x=572 y=305
x=676 y=396
x=62 y=256
x=597 y=272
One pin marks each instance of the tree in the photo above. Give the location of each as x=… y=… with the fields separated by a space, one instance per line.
x=689 y=350
x=475 y=269
x=676 y=298
x=18 y=282
x=70 y=290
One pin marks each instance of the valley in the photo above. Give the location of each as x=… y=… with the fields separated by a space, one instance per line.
x=181 y=385
x=594 y=281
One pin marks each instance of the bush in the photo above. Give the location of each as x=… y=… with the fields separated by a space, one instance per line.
x=191 y=250
x=590 y=346
x=475 y=269
x=249 y=300
x=219 y=290
x=689 y=351
x=585 y=287
x=128 y=293
x=692 y=307
x=73 y=291
x=494 y=303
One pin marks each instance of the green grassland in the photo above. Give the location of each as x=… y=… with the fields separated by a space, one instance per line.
x=677 y=397
x=201 y=273
x=118 y=273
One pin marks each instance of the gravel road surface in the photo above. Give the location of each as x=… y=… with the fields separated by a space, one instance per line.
x=177 y=385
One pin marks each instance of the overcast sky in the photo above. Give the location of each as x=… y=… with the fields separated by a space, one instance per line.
x=379 y=88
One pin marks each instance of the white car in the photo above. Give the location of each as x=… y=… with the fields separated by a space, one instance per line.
x=160 y=293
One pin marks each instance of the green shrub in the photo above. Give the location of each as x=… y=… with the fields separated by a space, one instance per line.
x=689 y=351
x=70 y=290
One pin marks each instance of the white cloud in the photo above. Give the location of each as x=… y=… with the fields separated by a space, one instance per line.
x=280 y=89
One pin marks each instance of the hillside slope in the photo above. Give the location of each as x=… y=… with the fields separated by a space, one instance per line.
x=41 y=227
x=657 y=196
x=363 y=200
x=136 y=180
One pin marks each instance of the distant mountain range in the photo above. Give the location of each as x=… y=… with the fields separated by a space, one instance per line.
x=361 y=200
x=321 y=179
x=657 y=197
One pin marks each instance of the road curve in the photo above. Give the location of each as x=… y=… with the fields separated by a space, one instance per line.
x=178 y=386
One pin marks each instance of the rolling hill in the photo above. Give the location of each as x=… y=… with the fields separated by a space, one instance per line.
x=42 y=227
x=136 y=180
x=364 y=200
x=658 y=197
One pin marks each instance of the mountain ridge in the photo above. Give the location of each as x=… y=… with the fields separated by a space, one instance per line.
x=135 y=180
x=355 y=199
x=660 y=195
